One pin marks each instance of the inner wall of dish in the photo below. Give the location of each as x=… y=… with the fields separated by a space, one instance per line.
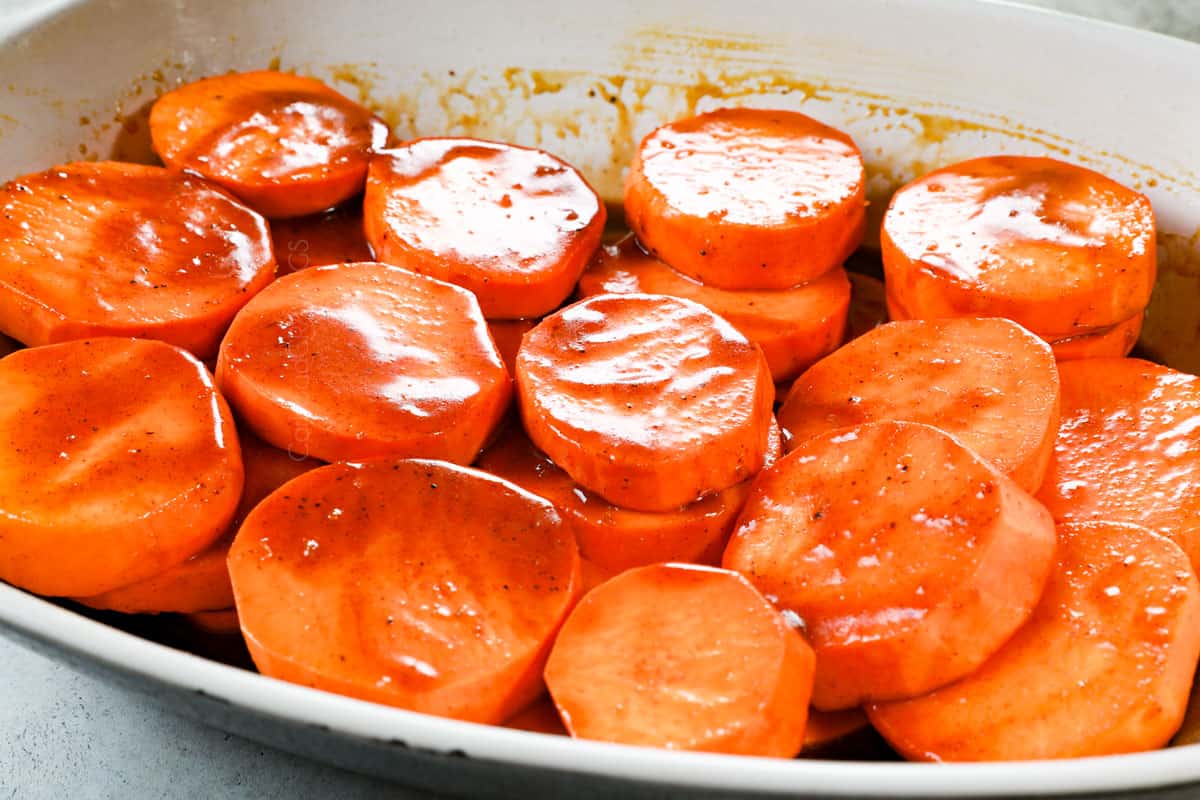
x=68 y=93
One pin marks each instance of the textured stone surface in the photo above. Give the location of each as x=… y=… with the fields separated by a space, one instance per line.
x=67 y=735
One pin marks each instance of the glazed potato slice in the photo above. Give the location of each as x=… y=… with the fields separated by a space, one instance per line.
x=794 y=327
x=1104 y=666
x=418 y=584
x=118 y=460
x=1056 y=247
x=514 y=225
x=652 y=402
x=359 y=360
x=909 y=559
x=685 y=658
x=988 y=382
x=286 y=144
x=109 y=249
x=1127 y=448
x=745 y=198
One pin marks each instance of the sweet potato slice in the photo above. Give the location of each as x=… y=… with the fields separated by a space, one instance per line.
x=418 y=584
x=286 y=144
x=331 y=237
x=616 y=539
x=1127 y=448
x=360 y=360
x=201 y=583
x=988 y=382
x=515 y=226
x=651 y=402
x=909 y=559
x=1104 y=666
x=118 y=460
x=685 y=658
x=744 y=198
x=1113 y=342
x=112 y=249
x=1056 y=247
x=794 y=327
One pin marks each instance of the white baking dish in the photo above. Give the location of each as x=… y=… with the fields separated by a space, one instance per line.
x=917 y=83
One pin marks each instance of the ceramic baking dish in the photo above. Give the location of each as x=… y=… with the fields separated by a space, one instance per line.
x=917 y=83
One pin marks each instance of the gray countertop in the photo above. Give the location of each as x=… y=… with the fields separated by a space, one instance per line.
x=63 y=734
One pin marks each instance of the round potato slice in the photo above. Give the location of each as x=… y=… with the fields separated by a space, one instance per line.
x=514 y=225
x=745 y=198
x=988 y=382
x=652 y=402
x=417 y=584
x=908 y=558
x=118 y=460
x=1056 y=247
x=1104 y=666
x=111 y=249
x=359 y=360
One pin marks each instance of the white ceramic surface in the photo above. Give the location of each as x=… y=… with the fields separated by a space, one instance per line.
x=916 y=83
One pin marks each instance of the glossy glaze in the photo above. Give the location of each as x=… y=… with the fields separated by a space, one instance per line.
x=126 y=250
x=1128 y=449
x=1113 y=342
x=748 y=198
x=539 y=717
x=286 y=144
x=868 y=305
x=507 y=334
x=416 y=584
x=987 y=382
x=515 y=226
x=201 y=584
x=331 y=237
x=794 y=327
x=118 y=459
x=1104 y=665
x=1058 y=248
x=705 y=663
x=359 y=360
x=908 y=558
x=825 y=729
x=650 y=401
x=613 y=538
